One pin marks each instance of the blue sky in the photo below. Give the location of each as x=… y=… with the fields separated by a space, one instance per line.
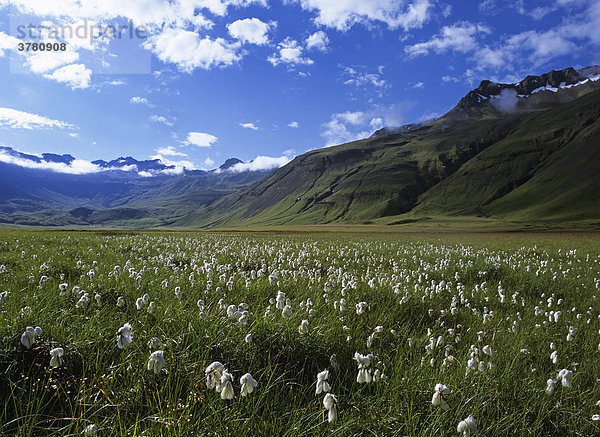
x=207 y=80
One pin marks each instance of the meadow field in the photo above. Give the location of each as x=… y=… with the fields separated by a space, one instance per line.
x=304 y=333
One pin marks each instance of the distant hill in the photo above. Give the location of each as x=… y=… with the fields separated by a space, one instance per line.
x=124 y=194
x=525 y=152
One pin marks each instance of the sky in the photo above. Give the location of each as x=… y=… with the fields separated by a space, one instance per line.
x=194 y=82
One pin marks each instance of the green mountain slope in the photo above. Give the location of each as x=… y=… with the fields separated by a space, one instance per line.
x=530 y=164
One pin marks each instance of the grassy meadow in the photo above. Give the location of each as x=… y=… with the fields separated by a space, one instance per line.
x=493 y=317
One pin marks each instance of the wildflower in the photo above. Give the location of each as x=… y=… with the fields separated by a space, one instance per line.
x=248 y=338
x=213 y=375
x=124 y=336
x=90 y=429
x=487 y=349
x=56 y=357
x=330 y=404
x=139 y=303
x=334 y=363
x=178 y=292
x=551 y=384
x=156 y=361
x=154 y=343
x=438 y=396
x=151 y=307
x=565 y=377
x=364 y=372
x=554 y=357
x=468 y=426
x=322 y=384
x=63 y=288
x=248 y=384
x=98 y=299
x=596 y=417
x=28 y=337
x=231 y=311
x=120 y=302
x=303 y=328
x=227 y=387
x=361 y=307
x=286 y=311
x=280 y=300
x=83 y=301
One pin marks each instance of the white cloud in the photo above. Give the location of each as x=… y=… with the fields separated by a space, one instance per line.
x=209 y=162
x=338 y=131
x=179 y=166
x=163 y=120
x=317 y=41
x=74 y=75
x=200 y=139
x=250 y=30
x=189 y=51
x=343 y=14
x=460 y=37
x=419 y=85
x=136 y=100
x=260 y=163
x=293 y=124
x=170 y=151
x=248 y=126
x=7 y=42
x=289 y=52
x=15 y=119
x=362 y=79
x=78 y=166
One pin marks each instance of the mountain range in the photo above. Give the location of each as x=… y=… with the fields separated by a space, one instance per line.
x=524 y=153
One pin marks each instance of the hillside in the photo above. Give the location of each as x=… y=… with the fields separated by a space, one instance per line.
x=521 y=152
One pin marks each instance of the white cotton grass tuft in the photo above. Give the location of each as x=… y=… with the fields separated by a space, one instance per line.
x=468 y=427
x=90 y=429
x=550 y=386
x=226 y=386
x=438 y=399
x=330 y=404
x=303 y=328
x=28 y=337
x=565 y=376
x=56 y=357
x=124 y=336
x=364 y=372
x=213 y=375
x=156 y=361
x=154 y=343
x=248 y=384
x=120 y=301
x=322 y=384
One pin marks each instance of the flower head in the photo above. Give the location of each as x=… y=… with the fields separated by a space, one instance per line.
x=468 y=426
x=248 y=384
x=124 y=336
x=227 y=387
x=438 y=399
x=322 y=384
x=213 y=375
x=56 y=357
x=156 y=361
x=330 y=404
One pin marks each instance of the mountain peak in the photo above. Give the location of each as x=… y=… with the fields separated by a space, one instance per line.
x=230 y=163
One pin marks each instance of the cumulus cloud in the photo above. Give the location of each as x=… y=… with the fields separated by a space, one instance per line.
x=136 y=100
x=343 y=14
x=15 y=119
x=178 y=166
x=289 y=52
x=260 y=163
x=317 y=41
x=362 y=79
x=248 y=126
x=7 y=42
x=250 y=30
x=293 y=124
x=347 y=126
x=74 y=75
x=77 y=166
x=460 y=37
x=170 y=151
x=200 y=139
x=209 y=162
x=189 y=51
x=163 y=120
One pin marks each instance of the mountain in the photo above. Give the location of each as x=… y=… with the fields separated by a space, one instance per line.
x=121 y=192
x=524 y=152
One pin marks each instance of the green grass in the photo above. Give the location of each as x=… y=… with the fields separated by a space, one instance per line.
x=112 y=388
